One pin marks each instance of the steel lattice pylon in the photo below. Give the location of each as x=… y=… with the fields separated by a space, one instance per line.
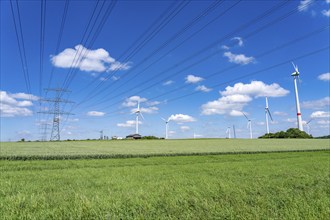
x=56 y=112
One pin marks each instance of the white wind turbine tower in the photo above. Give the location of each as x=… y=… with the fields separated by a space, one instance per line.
x=228 y=133
x=267 y=112
x=249 y=124
x=295 y=75
x=166 y=126
x=137 y=113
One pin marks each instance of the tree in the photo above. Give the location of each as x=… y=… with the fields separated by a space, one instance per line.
x=290 y=133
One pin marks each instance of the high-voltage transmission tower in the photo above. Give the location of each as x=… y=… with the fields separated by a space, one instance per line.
x=56 y=111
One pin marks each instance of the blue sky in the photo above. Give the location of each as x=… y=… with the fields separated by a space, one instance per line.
x=200 y=63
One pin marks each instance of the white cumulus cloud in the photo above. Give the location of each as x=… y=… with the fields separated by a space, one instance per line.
x=95 y=113
x=181 y=118
x=184 y=128
x=133 y=100
x=256 y=89
x=239 y=41
x=324 y=77
x=22 y=95
x=234 y=98
x=320 y=114
x=153 y=103
x=280 y=113
x=203 y=88
x=168 y=82
x=98 y=60
x=316 y=104
x=238 y=58
x=291 y=120
x=304 y=5
x=193 y=79
x=326 y=13
x=226 y=105
x=119 y=66
x=324 y=122
x=148 y=110
x=236 y=113
x=128 y=124
x=11 y=107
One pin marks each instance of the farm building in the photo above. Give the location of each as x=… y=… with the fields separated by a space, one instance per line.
x=133 y=136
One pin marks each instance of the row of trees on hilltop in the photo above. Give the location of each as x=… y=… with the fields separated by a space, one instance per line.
x=290 y=133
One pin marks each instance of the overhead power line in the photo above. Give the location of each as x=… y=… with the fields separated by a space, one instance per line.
x=227 y=36
x=21 y=45
x=42 y=42
x=265 y=53
x=77 y=59
x=99 y=28
x=201 y=51
x=253 y=73
x=286 y=62
x=59 y=38
x=204 y=13
x=216 y=73
x=159 y=24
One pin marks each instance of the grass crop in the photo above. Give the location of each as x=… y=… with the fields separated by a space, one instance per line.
x=156 y=147
x=291 y=185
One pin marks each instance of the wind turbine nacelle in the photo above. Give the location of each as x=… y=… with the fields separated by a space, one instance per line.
x=295 y=74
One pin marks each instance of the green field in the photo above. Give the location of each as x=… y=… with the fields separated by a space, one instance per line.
x=161 y=183
x=292 y=185
x=158 y=147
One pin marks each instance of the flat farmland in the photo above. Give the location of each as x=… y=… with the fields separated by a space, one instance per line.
x=158 y=147
x=288 y=185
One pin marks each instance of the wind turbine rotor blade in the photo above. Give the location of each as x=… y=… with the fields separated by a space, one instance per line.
x=299 y=79
x=140 y=113
x=245 y=116
x=295 y=67
x=309 y=121
x=270 y=115
x=163 y=119
x=133 y=111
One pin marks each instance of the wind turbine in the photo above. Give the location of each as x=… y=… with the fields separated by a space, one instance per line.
x=137 y=113
x=249 y=124
x=295 y=75
x=267 y=112
x=228 y=133
x=308 y=127
x=234 y=130
x=166 y=126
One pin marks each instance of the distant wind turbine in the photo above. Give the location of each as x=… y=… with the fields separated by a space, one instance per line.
x=267 y=112
x=166 y=126
x=228 y=133
x=234 y=130
x=295 y=75
x=249 y=124
x=137 y=113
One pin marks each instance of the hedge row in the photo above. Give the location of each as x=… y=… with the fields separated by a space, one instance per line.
x=123 y=156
